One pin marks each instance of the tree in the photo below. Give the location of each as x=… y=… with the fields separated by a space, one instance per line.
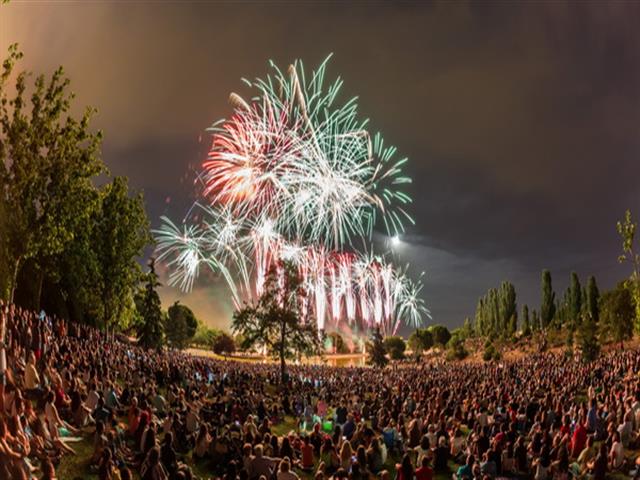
x=547 y=306
x=627 y=230
x=592 y=297
x=507 y=310
x=275 y=320
x=426 y=338
x=455 y=346
x=224 y=344
x=420 y=340
x=119 y=236
x=588 y=338
x=496 y=312
x=467 y=328
x=490 y=353
x=414 y=344
x=617 y=312
x=574 y=301
x=535 y=320
x=512 y=326
x=181 y=326
x=440 y=334
x=395 y=346
x=205 y=336
x=480 y=323
x=150 y=334
x=377 y=352
x=48 y=160
x=562 y=315
x=526 y=326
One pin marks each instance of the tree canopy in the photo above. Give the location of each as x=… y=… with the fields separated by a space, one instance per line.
x=617 y=311
x=57 y=228
x=48 y=160
x=627 y=230
x=181 y=325
x=440 y=334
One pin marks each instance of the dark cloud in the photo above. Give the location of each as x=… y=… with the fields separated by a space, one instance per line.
x=521 y=121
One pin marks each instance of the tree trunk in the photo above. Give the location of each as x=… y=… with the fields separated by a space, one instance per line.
x=283 y=367
x=39 y=290
x=14 y=281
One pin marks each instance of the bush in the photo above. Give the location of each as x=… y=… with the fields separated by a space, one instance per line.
x=456 y=350
x=440 y=334
x=455 y=346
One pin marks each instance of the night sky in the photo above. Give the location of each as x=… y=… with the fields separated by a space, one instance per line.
x=521 y=123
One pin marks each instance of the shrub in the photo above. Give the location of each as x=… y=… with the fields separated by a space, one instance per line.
x=489 y=353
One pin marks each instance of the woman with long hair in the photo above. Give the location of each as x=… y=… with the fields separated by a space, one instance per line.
x=405 y=469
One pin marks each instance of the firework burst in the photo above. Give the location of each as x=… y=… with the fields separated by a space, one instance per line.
x=295 y=175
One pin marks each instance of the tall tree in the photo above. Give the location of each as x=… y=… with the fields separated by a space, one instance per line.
x=150 y=334
x=496 y=312
x=275 y=320
x=512 y=325
x=547 y=306
x=467 y=328
x=480 y=326
x=507 y=309
x=526 y=325
x=181 y=325
x=627 y=231
x=588 y=338
x=574 y=301
x=119 y=237
x=592 y=297
x=535 y=320
x=377 y=353
x=48 y=160
x=617 y=313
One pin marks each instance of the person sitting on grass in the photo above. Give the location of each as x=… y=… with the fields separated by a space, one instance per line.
x=404 y=470
x=616 y=455
x=284 y=471
x=465 y=472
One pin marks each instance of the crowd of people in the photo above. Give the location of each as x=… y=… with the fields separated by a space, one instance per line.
x=165 y=415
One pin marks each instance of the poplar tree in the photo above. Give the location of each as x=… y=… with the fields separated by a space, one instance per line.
x=574 y=301
x=592 y=298
x=526 y=326
x=547 y=305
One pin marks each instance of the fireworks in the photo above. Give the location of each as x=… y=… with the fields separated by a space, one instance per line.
x=295 y=175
